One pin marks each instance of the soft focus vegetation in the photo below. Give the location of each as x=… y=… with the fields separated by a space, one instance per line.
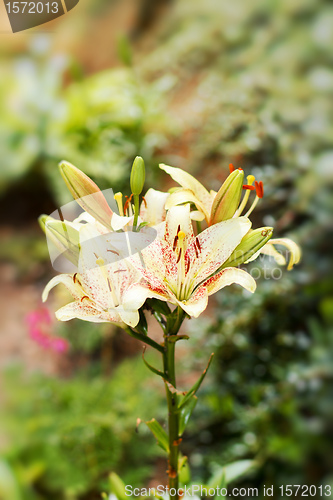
x=207 y=83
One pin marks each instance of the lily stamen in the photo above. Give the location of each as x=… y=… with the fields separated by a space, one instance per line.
x=259 y=187
x=250 y=180
x=198 y=244
x=128 y=205
x=119 y=199
x=179 y=255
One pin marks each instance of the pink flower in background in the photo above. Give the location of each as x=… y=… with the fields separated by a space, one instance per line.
x=37 y=321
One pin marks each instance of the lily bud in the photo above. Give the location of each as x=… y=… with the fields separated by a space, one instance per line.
x=137 y=176
x=42 y=220
x=228 y=197
x=86 y=193
x=249 y=247
x=63 y=239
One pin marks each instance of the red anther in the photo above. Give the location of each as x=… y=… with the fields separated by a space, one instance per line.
x=144 y=201
x=128 y=201
x=188 y=263
x=198 y=244
x=175 y=243
x=74 y=277
x=196 y=251
x=259 y=189
x=247 y=186
x=178 y=228
x=231 y=167
x=85 y=297
x=179 y=255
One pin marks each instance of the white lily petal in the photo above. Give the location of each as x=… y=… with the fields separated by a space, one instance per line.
x=134 y=297
x=153 y=211
x=66 y=279
x=178 y=217
x=271 y=251
x=120 y=221
x=181 y=196
x=187 y=181
x=228 y=276
x=197 y=216
x=129 y=317
x=85 y=312
x=292 y=247
x=196 y=304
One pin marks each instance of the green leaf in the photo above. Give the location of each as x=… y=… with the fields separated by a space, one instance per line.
x=9 y=487
x=117 y=486
x=175 y=338
x=230 y=472
x=159 y=433
x=142 y=325
x=184 y=472
x=197 y=385
x=159 y=306
x=186 y=412
x=150 y=367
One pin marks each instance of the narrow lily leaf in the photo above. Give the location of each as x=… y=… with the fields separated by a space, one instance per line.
x=185 y=413
x=86 y=193
x=197 y=385
x=150 y=367
x=142 y=326
x=160 y=306
x=159 y=433
x=231 y=472
x=117 y=486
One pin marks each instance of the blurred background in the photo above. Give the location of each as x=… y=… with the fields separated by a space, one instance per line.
x=196 y=84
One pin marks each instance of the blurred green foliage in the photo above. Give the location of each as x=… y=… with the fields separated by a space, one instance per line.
x=65 y=435
x=99 y=123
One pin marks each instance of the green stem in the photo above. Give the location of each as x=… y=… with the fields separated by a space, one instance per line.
x=172 y=400
x=136 y=210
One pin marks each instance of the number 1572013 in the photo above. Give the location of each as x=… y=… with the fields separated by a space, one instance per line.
x=32 y=7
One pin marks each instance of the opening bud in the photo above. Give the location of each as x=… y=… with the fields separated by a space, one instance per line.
x=228 y=197
x=138 y=174
x=86 y=193
x=249 y=247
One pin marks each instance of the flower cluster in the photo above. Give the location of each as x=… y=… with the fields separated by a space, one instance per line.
x=151 y=249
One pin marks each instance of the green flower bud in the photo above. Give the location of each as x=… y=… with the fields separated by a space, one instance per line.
x=228 y=197
x=249 y=247
x=137 y=176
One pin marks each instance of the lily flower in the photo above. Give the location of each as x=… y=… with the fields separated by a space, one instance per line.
x=104 y=289
x=211 y=205
x=225 y=204
x=180 y=268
